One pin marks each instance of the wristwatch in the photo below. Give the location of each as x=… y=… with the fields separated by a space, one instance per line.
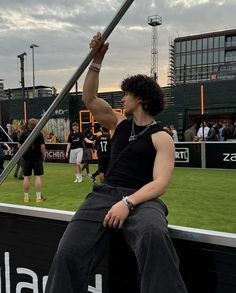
x=128 y=203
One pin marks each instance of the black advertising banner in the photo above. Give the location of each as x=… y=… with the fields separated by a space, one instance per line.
x=28 y=244
x=188 y=155
x=9 y=154
x=27 y=247
x=221 y=155
x=218 y=154
x=56 y=153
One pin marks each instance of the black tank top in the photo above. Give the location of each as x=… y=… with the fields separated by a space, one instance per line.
x=134 y=167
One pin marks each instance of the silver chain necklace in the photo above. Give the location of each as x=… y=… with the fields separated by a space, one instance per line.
x=133 y=135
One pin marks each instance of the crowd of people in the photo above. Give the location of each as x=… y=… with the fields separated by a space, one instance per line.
x=206 y=131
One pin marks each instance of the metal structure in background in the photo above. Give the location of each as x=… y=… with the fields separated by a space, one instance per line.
x=22 y=82
x=32 y=47
x=154 y=21
x=124 y=7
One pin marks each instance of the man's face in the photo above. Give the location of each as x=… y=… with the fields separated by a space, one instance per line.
x=75 y=128
x=130 y=103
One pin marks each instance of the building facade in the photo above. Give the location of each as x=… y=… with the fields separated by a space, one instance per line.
x=203 y=57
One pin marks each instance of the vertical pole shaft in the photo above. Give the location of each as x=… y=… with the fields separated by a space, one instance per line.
x=202 y=111
x=33 y=71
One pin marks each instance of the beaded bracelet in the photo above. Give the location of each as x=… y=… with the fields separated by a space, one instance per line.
x=95 y=67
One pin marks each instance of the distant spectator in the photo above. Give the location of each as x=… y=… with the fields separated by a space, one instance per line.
x=14 y=135
x=89 y=139
x=52 y=138
x=228 y=131
x=221 y=129
x=168 y=130
x=213 y=133
x=234 y=135
x=203 y=132
x=18 y=173
x=190 y=133
x=174 y=133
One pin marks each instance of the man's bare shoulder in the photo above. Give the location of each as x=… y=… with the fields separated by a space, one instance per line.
x=162 y=139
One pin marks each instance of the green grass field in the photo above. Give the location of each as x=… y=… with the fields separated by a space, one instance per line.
x=200 y=198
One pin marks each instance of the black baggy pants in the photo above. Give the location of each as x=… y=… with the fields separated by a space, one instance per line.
x=86 y=241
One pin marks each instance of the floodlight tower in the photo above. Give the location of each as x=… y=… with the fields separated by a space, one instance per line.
x=154 y=21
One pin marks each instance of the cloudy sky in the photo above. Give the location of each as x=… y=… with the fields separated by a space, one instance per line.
x=62 y=30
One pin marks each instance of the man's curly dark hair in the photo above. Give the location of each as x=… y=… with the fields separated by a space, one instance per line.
x=148 y=90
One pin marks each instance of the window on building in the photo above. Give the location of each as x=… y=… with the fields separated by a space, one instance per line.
x=194 y=45
x=210 y=57
x=188 y=46
x=199 y=58
x=222 y=41
x=204 y=58
x=234 y=55
x=188 y=60
x=228 y=41
x=230 y=56
x=216 y=42
x=194 y=61
x=183 y=46
x=221 y=56
x=204 y=44
x=177 y=61
x=177 y=47
x=233 y=40
x=199 y=44
x=216 y=56
x=210 y=43
x=183 y=62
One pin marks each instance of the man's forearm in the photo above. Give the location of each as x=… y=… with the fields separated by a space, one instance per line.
x=90 y=87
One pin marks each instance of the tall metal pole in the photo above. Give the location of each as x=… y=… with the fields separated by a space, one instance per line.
x=22 y=81
x=32 y=47
x=124 y=7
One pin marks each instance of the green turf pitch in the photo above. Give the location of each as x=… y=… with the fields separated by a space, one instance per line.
x=201 y=198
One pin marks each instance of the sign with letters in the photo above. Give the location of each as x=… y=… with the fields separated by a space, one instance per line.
x=221 y=155
x=25 y=257
x=188 y=155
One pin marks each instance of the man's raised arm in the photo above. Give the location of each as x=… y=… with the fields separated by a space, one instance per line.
x=99 y=108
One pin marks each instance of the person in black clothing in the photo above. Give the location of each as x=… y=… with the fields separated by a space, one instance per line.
x=213 y=133
x=140 y=169
x=18 y=173
x=103 y=146
x=33 y=161
x=2 y=155
x=75 y=147
x=228 y=131
x=88 y=148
